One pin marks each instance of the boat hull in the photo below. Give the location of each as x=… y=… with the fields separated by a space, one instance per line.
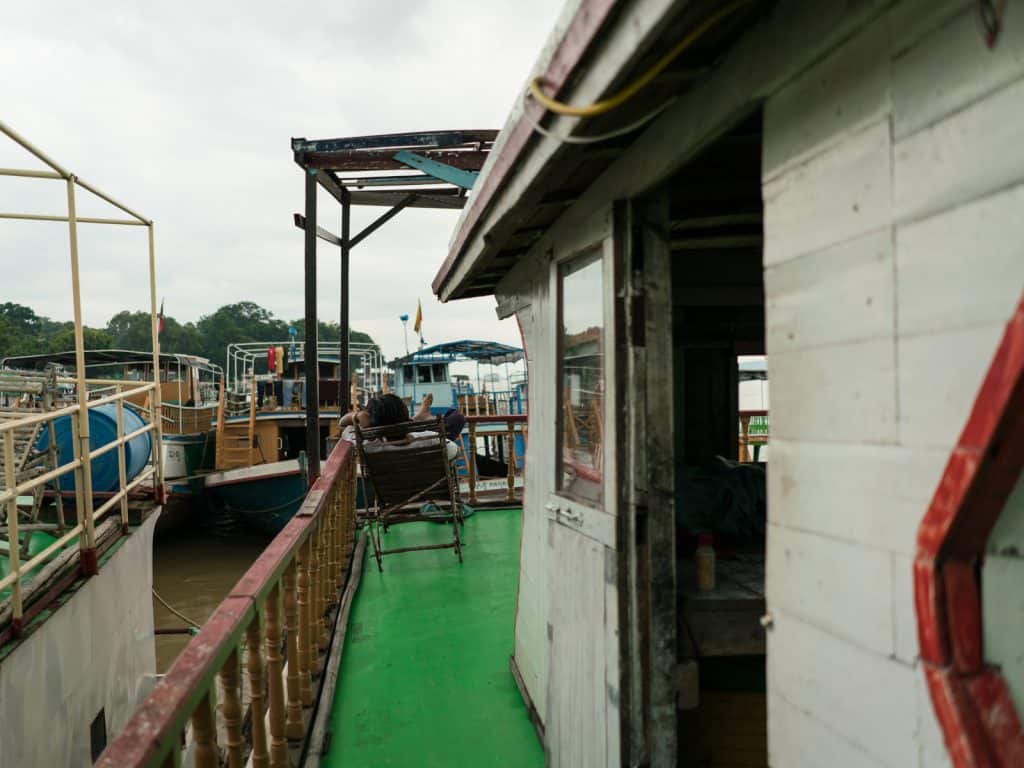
x=264 y=497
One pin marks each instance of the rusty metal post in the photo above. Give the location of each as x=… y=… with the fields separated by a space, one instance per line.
x=343 y=320
x=471 y=462
x=312 y=357
x=511 y=460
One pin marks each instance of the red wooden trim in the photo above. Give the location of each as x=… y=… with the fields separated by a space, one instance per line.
x=754 y=412
x=157 y=724
x=578 y=37
x=979 y=722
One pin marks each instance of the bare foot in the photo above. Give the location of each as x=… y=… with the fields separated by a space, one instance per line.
x=423 y=414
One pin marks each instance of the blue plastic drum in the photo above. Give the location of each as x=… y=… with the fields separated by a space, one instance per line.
x=102 y=431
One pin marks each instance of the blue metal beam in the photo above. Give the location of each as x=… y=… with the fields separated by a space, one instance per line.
x=437 y=169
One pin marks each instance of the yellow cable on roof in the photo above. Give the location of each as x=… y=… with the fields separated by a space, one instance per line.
x=612 y=102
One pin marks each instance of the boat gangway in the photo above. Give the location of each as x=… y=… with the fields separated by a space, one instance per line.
x=280 y=674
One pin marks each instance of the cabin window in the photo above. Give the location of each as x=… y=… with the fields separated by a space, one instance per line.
x=423 y=374
x=581 y=377
x=439 y=372
x=407 y=374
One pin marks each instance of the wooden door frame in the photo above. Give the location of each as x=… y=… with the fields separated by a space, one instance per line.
x=646 y=468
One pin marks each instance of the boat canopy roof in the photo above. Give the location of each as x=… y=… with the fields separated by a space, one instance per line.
x=98 y=357
x=467 y=349
x=753 y=370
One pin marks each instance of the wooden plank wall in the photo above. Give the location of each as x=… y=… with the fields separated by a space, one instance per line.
x=893 y=180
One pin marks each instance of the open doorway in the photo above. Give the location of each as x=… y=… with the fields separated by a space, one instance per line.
x=721 y=431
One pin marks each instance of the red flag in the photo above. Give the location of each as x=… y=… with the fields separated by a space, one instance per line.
x=160 y=317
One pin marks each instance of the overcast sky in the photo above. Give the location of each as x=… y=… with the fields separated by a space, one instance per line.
x=184 y=111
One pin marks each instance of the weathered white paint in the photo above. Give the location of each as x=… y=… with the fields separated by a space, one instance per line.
x=973 y=152
x=93 y=652
x=871 y=495
x=837 y=195
x=841 y=294
x=861 y=697
x=858 y=462
x=921 y=99
x=826 y=583
x=1003 y=597
x=837 y=394
x=576 y=729
x=867 y=396
x=805 y=741
x=939 y=280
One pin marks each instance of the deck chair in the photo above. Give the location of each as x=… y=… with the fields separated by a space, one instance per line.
x=408 y=473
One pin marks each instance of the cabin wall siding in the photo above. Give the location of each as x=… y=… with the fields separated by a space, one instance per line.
x=879 y=189
x=75 y=663
x=535 y=315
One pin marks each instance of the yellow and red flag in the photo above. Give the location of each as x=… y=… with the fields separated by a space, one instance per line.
x=419 y=317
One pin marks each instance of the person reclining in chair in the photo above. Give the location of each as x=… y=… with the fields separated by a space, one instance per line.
x=383 y=410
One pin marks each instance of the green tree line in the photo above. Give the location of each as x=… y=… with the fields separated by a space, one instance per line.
x=23 y=332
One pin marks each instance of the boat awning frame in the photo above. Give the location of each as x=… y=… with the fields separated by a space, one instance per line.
x=427 y=169
x=490 y=352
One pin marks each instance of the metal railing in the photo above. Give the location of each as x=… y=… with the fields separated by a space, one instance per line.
x=19 y=428
x=278 y=617
x=496 y=429
x=244 y=358
x=19 y=435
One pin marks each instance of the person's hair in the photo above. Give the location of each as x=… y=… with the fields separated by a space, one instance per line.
x=387 y=409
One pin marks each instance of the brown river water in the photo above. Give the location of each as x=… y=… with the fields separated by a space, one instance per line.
x=193 y=571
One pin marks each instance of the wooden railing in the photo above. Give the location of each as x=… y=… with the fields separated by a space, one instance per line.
x=499 y=427
x=188 y=419
x=754 y=433
x=277 y=619
x=27 y=472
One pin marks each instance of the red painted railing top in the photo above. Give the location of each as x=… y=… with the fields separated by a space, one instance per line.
x=166 y=710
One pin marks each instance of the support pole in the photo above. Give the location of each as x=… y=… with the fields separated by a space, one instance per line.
x=156 y=398
x=344 y=385
x=312 y=364
x=90 y=565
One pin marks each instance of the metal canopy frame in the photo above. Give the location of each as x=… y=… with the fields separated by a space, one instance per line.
x=430 y=169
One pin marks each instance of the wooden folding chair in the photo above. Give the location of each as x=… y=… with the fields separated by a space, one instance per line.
x=405 y=469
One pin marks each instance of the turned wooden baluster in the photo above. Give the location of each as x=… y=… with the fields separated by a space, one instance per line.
x=232 y=710
x=326 y=564
x=204 y=737
x=254 y=670
x=275 y=683
x=744 y=453
x=312 y=622
x=471 y=462
x=511 y=461
x=293 y=725
x=302 y=635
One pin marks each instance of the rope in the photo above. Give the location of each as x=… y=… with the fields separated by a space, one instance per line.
x=297 y=499
x=174 y=610
x=597 y=138
x=620 y=98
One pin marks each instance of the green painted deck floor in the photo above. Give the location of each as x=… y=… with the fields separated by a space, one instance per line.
x=424 y=678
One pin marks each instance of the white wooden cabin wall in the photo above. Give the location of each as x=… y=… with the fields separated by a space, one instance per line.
x=536 y=317
x=894 y=254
